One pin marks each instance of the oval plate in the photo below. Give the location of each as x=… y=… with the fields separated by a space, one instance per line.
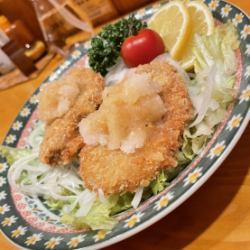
x=29 y=224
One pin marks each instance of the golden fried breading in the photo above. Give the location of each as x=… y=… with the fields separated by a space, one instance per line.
x=56 y=99
x=113 y=171
x=62 y=141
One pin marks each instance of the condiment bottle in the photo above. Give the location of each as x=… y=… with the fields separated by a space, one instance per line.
x=6 y=65
x=19 y=32
x=17 y=56
x=55 y=29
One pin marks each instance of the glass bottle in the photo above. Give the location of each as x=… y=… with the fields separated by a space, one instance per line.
x=55 y=29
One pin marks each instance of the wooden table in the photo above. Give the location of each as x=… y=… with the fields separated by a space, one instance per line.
x=216 y=217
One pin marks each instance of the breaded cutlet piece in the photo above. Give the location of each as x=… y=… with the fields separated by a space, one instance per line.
x=62 y=140
x=114 y=171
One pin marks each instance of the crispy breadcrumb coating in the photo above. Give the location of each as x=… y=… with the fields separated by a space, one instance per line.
x=114 y=171
x=62 y=141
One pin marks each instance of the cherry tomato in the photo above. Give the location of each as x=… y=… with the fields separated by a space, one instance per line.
x=142 y=48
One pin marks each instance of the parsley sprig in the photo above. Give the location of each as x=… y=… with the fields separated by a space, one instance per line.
x=106 y=46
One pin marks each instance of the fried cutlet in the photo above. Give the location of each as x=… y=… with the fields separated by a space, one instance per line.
x=62 y=141
x=114 y=171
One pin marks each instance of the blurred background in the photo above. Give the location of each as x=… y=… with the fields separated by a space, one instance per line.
x=32 y=32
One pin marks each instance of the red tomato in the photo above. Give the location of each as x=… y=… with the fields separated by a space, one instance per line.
x=142 y=48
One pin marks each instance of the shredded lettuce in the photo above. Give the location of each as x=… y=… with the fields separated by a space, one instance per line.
x=218 y=47
x=159 y=183
x=212 y=89
x=101 y=214
x=61 y=188
x=36 y=136
x=24 y=178
x=64 y=193
x=98 y=217
x=183 y=160
x=165 y=177
x=13 y=154
x=172 y=173
x=123 y=202
x=218 y=50
x=54 y=204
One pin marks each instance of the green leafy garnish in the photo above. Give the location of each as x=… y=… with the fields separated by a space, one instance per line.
x=106 y=46
x=159 y=183
x=123 y=202
x=55 y=204
x=13 y=154
x=24 y=178
x=97 y=218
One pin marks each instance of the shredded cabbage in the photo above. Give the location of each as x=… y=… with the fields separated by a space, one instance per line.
x=116 y=73
x=35 y=178
x=213 y=86
x=123 y=202
x=137 y=198
x=202 y=101
x=98 y=217
x=62 y=189
x=218 y=47
x=36 y=136
x=13 y=154
x=159 y=183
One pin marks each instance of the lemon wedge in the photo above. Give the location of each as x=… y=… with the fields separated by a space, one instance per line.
x=172 y=22
x=202 y=23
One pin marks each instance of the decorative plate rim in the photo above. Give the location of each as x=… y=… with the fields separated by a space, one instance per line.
x=183 y=196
